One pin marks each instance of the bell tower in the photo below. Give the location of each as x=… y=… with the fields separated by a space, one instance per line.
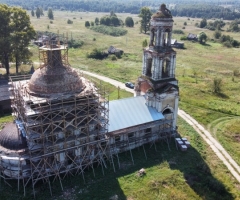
x=159 y=60
x=158 y=81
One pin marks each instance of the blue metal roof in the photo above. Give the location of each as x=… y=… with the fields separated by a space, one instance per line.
x=130 y=112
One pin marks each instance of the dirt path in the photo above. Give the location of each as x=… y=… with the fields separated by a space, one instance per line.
x=109 y=80
x=222 y=154
x=232 y=166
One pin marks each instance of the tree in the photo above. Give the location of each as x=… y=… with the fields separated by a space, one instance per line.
x=129 y=22
x=87 y=24
x=16 y=32
x=217 y=34
x=202 y=37
x=41 y=11
x=50 y=13
x=38 y=12
x=112 y=14
x=217 y=85
x=32 y=13
x=114 y=21
x=69 y=21
x=97 y=21
x=145 y=14
x=92 y=23
x=203 y=23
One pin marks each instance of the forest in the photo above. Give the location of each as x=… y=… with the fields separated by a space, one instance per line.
x=227 y=10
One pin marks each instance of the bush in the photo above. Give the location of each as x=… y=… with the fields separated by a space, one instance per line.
x=129 y=22
x=236 y=72
x=144 y=43
x=217 y=34
x=97 y=54
x=75 y=44
x=227 y=44
x=51 y=22
x=94 y=39
x=211 y=28
x=113 y=31
x=217 y=85
x=185 y=23
x=183 y=27
x=87 y=24
x=119 y=54
x=69 y=21
x=113 y=58
x=183 y=37
x=178 y=32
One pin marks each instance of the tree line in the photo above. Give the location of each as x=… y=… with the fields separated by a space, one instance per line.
x=186 y=8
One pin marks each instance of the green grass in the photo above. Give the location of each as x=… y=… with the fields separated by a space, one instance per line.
x=112 y=91
x=170 y=174
x=4 y=119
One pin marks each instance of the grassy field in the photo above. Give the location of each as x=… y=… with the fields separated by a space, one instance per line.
x=197 y=66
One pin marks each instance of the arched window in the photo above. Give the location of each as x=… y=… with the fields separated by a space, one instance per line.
x=149 y=66
x=167 y=40
x=166 y=67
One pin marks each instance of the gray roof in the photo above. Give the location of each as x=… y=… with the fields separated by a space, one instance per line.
x=130 y=112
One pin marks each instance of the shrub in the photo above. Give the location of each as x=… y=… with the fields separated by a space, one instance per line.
x=51 y=22
x=178 y=31
x=217 y=34
x=183 y=27
x=185 y=23
x=69 y=21
x=119 y=54
x=113 y=31
x=87 y=24
x=183 y=37
x=74 y=18
x=144 y=43
x=75 y=44
x=94 y=39
x=97 y=54
x=129 y=22
x=113 y=57
x=227 y=44
x=217 y=85
x=236 y=72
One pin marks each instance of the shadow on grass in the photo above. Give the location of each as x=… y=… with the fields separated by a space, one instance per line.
x=113 y=185
x=206 y=44
x=222 y=95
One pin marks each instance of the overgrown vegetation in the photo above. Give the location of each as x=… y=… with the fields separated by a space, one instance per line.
x=97 y=54
x=113 y=31
x=177 y=31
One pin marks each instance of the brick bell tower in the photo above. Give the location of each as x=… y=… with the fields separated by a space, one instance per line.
x=158 y=81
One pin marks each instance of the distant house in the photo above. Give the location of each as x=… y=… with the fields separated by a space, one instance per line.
x=192 y=36
x=176 y=44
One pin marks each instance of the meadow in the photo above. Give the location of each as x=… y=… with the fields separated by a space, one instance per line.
x=170 y=174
